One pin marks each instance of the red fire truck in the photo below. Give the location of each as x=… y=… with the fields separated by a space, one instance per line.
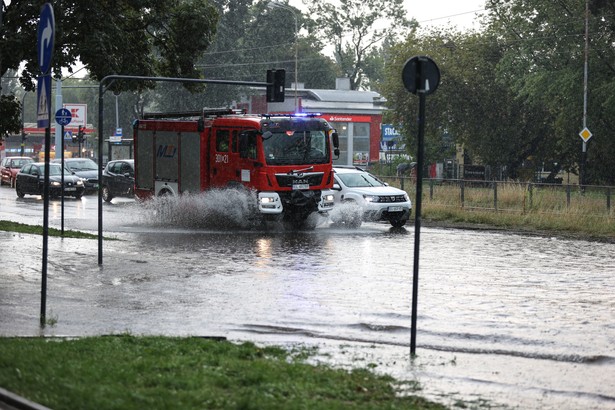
x=286 y=159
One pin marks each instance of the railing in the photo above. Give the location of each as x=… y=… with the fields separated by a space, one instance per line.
x=519 y=197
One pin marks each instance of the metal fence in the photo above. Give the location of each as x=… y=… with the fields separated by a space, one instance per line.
x=519 y=197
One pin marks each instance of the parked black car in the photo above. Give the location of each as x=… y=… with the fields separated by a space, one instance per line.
x=84 y=168
x=31 y=180
x=118 y=179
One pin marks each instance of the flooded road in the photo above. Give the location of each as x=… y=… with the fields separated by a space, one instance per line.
x=504 y=320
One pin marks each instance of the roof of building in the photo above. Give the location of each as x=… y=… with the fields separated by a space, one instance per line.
x=341 y=101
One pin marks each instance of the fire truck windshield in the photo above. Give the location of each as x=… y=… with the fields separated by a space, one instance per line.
x=296 y=147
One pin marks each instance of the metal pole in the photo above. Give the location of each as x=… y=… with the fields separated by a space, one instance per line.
x=43 y=318
x=58 y=135
x=101 y=91
x=585 y=81
x=296 y=60
x=62 y=165
x=417 y=221
x=23 y=124
x=272 y=4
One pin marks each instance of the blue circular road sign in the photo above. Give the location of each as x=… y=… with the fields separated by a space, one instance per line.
x=63 y=116
x=45 y=38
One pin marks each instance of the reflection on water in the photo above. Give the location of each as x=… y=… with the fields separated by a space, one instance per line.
x=519 y=321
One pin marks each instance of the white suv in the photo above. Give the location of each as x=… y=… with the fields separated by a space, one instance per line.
x=377 y=201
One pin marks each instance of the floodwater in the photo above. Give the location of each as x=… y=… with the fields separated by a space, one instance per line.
x=504 y=320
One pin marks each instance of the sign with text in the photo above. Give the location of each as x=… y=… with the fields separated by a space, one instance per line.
x=388 y=132
x=79 y=114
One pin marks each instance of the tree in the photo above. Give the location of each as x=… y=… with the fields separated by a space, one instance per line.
x=354 y=28
x=10 y=121
x=472 y=105
x=544 y=63
x=145 y=38
x=252 y=38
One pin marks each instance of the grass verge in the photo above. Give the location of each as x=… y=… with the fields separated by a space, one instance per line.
x=127 y=372
x=586 y=227
x=38 y=230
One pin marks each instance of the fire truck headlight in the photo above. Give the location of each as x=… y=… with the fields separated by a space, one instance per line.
x=269 y=203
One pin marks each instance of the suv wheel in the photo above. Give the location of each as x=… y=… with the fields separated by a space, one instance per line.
x=397 y=223
x=19 y=192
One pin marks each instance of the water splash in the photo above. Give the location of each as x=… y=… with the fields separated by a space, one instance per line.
x=219 y=209
x=347 y=214
x=214 y=209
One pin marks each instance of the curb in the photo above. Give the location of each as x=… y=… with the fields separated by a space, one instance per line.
x=10 y=401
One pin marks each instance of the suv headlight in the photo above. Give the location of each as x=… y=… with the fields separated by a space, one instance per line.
x=80 y=182
x=371 y=198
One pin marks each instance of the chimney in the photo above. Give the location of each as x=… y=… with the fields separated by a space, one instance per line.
x=342 y=83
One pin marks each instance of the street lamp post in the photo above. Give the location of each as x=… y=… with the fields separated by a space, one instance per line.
x=274 y=4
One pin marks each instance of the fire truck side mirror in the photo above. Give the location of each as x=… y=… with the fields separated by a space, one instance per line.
x=336 y=144
x=336 y=139
x=275 y=85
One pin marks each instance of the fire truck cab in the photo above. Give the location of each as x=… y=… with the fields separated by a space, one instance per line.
x=285 y=159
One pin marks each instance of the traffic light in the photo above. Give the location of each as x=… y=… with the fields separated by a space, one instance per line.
x=275 y=85
x=80 y=134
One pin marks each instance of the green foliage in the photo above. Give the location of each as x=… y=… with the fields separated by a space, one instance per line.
x=148 y=38
x=11 y=226
x=10 y=120
x=543 y=63
x=512 y=94
x=190 y=373
x=355 y=28
x=143 y=38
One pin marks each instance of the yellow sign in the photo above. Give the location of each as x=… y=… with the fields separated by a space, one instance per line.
x=585 y=134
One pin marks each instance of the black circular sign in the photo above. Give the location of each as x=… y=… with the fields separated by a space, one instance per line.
x=421 y=75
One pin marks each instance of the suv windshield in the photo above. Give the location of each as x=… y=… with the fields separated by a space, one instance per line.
x=359 y=180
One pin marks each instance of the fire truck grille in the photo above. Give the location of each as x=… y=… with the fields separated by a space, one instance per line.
x=289 y=181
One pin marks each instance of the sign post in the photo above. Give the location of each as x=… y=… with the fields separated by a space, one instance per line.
x=420 y=76
x=44 y=48
x=63 y=118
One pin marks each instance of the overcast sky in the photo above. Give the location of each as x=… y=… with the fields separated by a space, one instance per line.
x=460 y=13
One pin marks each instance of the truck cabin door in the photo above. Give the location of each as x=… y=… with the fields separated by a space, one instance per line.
x=248 y=157
x=222 y=169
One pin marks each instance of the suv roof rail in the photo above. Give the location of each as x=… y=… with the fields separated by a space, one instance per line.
x=358 y=168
